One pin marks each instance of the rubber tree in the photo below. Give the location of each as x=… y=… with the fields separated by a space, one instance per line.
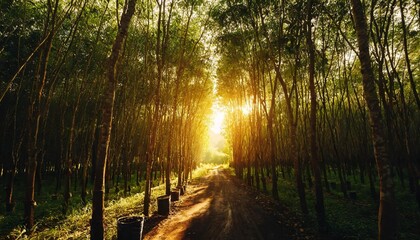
x=179 y=75
x=259 y=28
x=162 y=41
x=70 y=156
x=319 y=195
x=35 y=111
x=96 y=223
x=387 y=215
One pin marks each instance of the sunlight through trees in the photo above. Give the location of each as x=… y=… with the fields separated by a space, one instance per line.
x=314 y=101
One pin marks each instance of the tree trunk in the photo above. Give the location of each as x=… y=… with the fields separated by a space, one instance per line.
x=97 y=226
x=407 y=57
x=275 y=191
x=34 y=119
x=10 y=178
x=147 y=185
x=298 y=169
x=319 y=195
x=387 y=217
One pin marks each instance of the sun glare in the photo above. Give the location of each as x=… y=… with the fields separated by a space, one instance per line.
x=246 y=109
x=217 y=119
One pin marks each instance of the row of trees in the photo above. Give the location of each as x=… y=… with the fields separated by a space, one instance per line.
x=331 y=86
x=101 y=90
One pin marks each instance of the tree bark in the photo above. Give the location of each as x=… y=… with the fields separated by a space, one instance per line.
x=319 y=195
x=387 y=216
x=161 y=42
x=97 y=226
x=34 y=118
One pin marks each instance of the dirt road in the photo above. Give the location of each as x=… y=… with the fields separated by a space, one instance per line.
x=217 y=207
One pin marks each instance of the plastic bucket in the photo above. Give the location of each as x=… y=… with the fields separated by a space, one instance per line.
x=164 y=204
x=175 y=194
x=130 y=228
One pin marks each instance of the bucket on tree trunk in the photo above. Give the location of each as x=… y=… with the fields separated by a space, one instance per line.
x=164 y=204
x=182 y=189
x=175 y=194
x=130 y=228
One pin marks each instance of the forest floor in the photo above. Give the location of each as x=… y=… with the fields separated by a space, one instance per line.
x=220 y=206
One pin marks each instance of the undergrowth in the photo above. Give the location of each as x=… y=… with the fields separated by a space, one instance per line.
x=51 y=224
x=349 y=219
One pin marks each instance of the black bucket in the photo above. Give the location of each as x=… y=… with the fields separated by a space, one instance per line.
x=175 y=194
x=164 y=204
x=130 y=228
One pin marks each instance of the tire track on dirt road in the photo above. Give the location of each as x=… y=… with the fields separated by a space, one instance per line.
x=219 y=208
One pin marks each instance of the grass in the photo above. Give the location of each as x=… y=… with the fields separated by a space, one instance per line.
x=75 y=225
x=348 y=219
x=52 y=224
x=204 y=168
